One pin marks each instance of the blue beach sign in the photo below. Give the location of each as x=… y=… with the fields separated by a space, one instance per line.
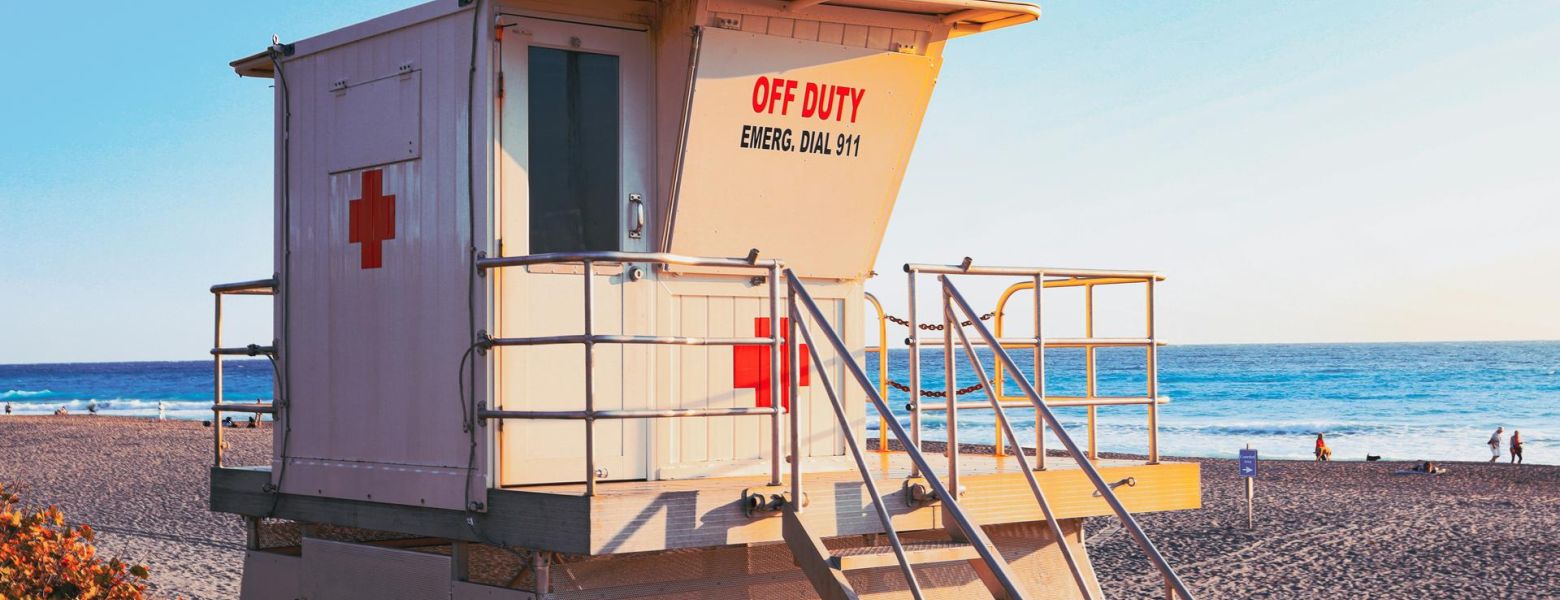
x=1248 y=462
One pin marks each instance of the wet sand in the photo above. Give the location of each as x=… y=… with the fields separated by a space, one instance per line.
x=1333 y=530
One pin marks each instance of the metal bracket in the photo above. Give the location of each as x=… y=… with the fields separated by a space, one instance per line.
x=481 y=272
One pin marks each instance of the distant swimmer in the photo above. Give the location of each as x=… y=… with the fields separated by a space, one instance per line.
x=92 y=407
x=1323 y=453
x=1495 y=444
x=8 y=408
x=1516 y=446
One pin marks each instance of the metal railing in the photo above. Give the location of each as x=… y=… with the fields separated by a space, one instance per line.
x=259 y=287
x=1039 y=278
x=953 y=299
x=1091 y=399
x=589 y=339
x=800 y=300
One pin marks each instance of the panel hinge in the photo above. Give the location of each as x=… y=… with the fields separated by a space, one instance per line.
x=500 y=85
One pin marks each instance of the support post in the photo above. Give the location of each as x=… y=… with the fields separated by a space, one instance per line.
x=915 y=371
x=460 y=559
x=216 y=392
x=775 y=333
x=951 y=387
x=793 y=365
x=1151 y=363
x=590 y=383
x=1039 y=373
x=1088 y=361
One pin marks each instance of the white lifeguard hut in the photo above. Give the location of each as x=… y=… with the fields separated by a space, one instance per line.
x=569 y=304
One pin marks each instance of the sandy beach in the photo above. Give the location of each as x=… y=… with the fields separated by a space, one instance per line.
x=1333 y=530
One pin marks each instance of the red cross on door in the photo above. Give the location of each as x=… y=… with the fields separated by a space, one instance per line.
x=750 y=365
x=371 y=219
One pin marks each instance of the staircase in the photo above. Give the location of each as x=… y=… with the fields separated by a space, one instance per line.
x=826 y=568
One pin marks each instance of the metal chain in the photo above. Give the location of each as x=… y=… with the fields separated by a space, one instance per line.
x=935 y=327
x=969 y=389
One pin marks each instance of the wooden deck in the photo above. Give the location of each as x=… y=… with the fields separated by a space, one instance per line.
x=638 y=516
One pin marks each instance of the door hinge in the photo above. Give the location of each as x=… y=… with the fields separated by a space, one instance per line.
x=500 y=85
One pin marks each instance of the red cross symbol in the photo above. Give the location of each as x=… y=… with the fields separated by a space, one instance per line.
x=371 y=219
x=750 y=364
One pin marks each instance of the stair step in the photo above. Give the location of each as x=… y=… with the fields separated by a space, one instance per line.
x=867 y=557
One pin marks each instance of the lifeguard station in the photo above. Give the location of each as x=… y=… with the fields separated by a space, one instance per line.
x=569 y=303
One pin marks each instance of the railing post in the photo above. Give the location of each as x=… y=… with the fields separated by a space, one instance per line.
x=1039 y=373
x=1151 y=364
x=216 y=393
x=775 y=331
x=794 y=372
x=590 y=383
x=951 y=387
x=1088 y=361
x=914 y=342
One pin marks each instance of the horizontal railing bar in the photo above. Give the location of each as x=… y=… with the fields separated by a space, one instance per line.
x=1050 y=342
x=256 y=286
x=632 y=339
x=1052 y=401
x=245 y=408
x=244 y=351
x=666 y=413
x=1029 y=271
x=662 y=258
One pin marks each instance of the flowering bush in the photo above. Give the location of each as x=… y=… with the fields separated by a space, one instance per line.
x=43 y=558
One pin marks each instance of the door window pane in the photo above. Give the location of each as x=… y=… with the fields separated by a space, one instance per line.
x=574 y=157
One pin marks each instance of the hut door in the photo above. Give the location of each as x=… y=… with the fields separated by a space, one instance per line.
x=574 y=176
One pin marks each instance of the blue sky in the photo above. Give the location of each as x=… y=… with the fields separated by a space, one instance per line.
x=1329 y=171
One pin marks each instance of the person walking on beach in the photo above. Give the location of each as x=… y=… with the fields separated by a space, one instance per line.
x=1516 y=447
x=1323 y=453
x=1495 y=444
x=162 y=410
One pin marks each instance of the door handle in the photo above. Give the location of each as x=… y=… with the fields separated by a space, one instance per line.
x=636 y=216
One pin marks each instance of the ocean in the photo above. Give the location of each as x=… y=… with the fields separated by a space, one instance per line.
x=1408 y=401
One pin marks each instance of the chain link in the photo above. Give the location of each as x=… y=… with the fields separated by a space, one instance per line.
x=969 y=389
x=934 y=327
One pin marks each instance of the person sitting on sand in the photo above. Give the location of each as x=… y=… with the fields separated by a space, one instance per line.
x=253 y=419
x=60 y=412
x=1495 y=444
x=1323 y=453
x=1516 y=447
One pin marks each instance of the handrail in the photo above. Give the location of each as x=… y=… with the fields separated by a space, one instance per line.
x=589 y=338
x=882 y=350
x=967 y=527
x=256 y=287
x=1054 y=401
x=884 y=519
x=970 y=269
x=1128 y=522
x=267 y=409
x=615 y=257
x=1023 y=462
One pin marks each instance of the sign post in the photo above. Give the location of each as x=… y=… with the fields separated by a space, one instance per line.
x=1248 y=471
